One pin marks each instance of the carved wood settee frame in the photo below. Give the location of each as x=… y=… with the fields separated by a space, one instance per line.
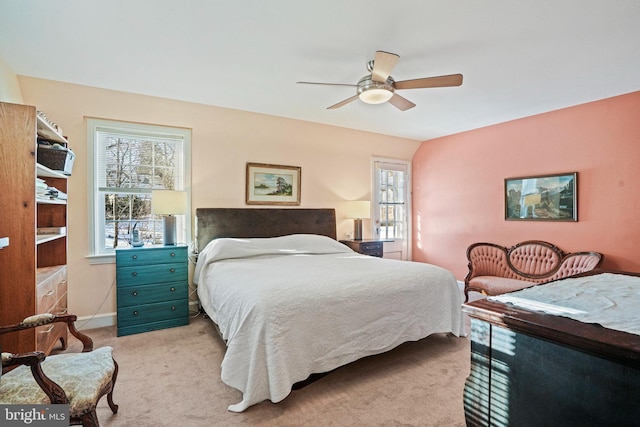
x=495 y=269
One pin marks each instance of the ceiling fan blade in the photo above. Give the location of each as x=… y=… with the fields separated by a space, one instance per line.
x=440 y=81
x=326 y=84
x=383 y=63
x=341 y=103
x=401 y=103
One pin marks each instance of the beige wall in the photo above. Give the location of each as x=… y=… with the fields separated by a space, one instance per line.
x=335 y=163
x=9 y=87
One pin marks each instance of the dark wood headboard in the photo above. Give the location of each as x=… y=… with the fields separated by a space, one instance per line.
x=213 y=223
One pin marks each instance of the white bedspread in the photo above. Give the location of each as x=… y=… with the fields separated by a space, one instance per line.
x=296 y=305
x=611 y=300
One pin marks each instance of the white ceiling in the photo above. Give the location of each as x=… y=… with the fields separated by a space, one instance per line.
x=518 y=58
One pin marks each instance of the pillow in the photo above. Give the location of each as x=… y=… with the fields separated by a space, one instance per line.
x=285 y=245
x=293 y=244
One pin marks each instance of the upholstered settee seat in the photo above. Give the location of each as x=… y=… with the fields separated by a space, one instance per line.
x=495 y=285
x=495 y=269
x=89 y=379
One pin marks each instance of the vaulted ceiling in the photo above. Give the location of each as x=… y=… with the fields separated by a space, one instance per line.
x=518 y=58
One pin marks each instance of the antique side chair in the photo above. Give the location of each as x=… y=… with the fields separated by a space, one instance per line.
x=76 y=379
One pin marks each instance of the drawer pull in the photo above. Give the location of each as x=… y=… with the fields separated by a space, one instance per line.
x=51 y=292
x=49 y=329
x=173 y=254
x=134 y=293
x=134 y=274
x=173 y=270
x=173 y=308
x=135 y=312
x=134 y=257
x=172 y=289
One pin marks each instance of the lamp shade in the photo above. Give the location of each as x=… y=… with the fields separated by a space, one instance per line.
x=359 y=209
x=168 y=202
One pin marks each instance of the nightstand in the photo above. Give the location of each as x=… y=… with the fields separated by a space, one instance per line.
x=152 y=288
x=366 y=247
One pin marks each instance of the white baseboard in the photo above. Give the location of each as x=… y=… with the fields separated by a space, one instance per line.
x=111 y=319
x=97 y=321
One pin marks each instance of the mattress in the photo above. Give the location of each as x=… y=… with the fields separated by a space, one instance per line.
x=295 y=305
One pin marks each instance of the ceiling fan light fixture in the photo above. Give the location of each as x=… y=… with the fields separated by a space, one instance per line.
x=372 y=92
x=375 y=96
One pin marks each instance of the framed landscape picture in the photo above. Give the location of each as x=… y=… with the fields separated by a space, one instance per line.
x=273 y=184
x=542 y=198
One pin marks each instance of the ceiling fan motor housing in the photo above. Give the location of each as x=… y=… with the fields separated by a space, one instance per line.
x=373 y=92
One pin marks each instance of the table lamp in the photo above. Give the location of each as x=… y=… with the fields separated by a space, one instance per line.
x=169 y=203
x=358 y=210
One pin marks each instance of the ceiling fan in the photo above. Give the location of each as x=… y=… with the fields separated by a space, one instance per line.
x=379 y=87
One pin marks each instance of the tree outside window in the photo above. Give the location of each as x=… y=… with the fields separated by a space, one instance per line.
x=130 y=161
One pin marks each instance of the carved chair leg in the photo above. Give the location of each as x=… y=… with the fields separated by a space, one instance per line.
x=113 y=406
x=90 y=419
x=63 y=342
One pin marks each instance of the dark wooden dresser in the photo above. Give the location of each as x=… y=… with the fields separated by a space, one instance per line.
x=533 y=369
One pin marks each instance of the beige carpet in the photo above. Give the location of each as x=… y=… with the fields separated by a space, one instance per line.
x=172 y=378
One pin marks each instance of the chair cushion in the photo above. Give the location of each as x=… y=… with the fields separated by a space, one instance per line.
x=84 y=377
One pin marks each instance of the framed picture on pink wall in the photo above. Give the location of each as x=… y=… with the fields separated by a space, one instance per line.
x=273 y=184
x=542 y=198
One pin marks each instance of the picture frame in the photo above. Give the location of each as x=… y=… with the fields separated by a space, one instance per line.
x=542 y=198
x=273 y=184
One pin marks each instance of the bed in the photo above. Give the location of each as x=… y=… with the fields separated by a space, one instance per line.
x=290 y=301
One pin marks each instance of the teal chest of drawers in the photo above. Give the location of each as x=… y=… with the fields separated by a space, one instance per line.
x=152 y=288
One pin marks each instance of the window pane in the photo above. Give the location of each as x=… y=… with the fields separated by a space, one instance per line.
x=391 y=201
x=142 y=176
x=117 y=176
x=164 y=179
x=125 y=213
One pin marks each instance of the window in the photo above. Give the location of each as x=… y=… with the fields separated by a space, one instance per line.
x=130 y=160
x=391 y=206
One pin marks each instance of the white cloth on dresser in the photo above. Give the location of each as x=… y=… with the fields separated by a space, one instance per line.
x=609 y=299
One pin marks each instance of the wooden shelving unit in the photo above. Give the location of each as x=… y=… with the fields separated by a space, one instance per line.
x=33 y=270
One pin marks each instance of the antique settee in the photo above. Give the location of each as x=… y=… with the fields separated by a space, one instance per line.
x=495 y=269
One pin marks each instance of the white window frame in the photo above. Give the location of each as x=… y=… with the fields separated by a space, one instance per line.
x=97 y=254
x=406 y=166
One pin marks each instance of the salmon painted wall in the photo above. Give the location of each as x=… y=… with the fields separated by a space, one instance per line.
x=458 y=184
